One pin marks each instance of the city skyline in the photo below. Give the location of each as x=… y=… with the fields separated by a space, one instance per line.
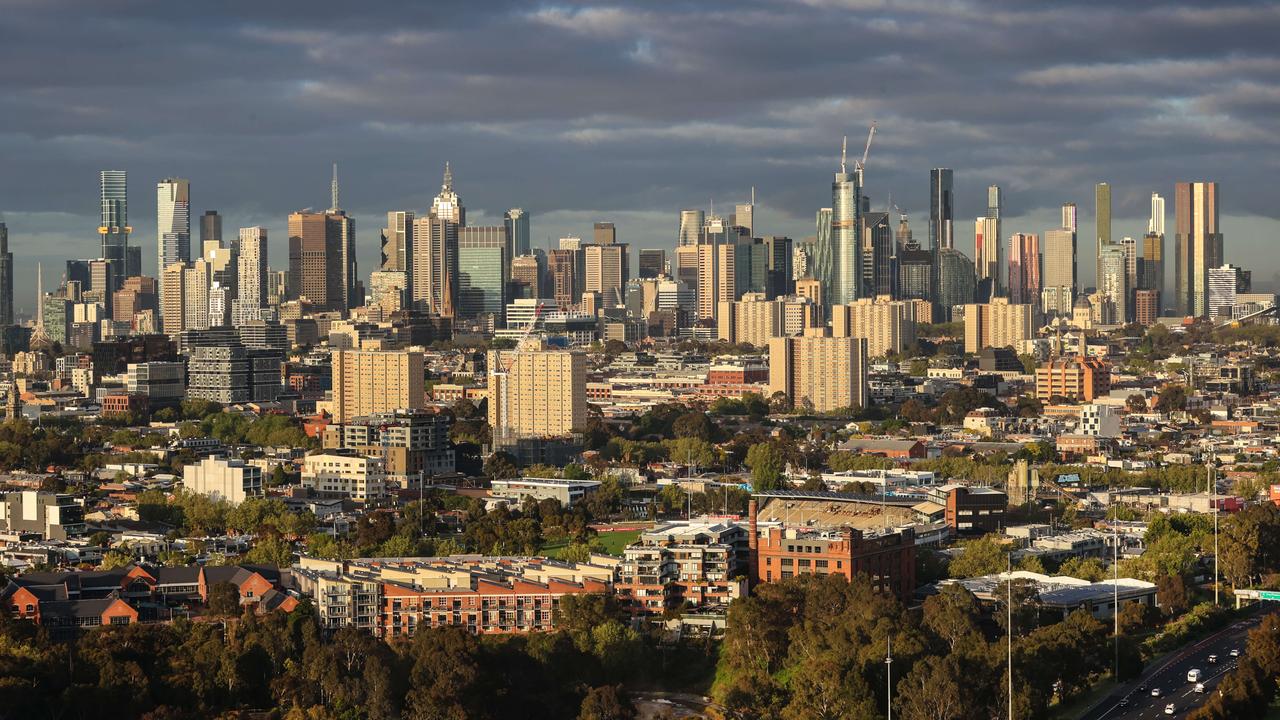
x=673 y=136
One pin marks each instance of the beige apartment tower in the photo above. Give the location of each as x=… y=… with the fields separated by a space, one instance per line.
x=756 y=320
x=536 y=392
x=998 y=324
x=366 y=382
x=822 y=373
x=888 y=326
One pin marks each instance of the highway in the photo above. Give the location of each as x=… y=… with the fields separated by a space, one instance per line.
x=1134 y=700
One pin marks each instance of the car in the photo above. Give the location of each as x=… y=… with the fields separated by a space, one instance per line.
x=1235 y=652
x=1199 y=687
x=1169 y=709
x=1213 y=659
x=1193 y=675
x=1124 y=701
x=1155 y=692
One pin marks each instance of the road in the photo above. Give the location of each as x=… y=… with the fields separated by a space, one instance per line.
x=1170 y=676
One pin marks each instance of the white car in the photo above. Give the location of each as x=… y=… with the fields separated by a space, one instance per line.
x=1199 y=687
x=1193 y=675
x=1155 y=692
x=1169 y=709
x=1235 y=652
x=1213 y=659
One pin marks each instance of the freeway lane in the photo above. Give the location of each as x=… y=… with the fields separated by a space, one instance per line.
x=1171 y=678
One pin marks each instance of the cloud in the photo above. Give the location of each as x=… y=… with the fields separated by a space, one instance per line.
x=584 y=110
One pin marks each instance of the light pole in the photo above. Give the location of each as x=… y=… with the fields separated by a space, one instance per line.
x=1009 y=628
x=888 y=671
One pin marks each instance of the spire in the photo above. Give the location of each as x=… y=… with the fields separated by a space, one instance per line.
x=844 y=146
x=448 y=178
x=333 y=190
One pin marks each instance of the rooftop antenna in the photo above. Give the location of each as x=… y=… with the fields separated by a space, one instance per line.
x=753 y=195
x=333 y=190
x=844 y=146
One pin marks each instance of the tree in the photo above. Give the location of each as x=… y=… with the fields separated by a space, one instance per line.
x=984 y=556
x=1172 y=595
x=1135 y=403
x=608 y=702
x=1090 y=569
x=694 y=425
x=501 y=465
x=224 y=599
x=1171 y=398
x=766 y=464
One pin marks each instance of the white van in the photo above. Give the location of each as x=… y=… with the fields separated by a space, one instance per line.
x=1193 y=675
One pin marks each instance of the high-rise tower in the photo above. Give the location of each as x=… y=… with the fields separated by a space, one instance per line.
x=1199 y=244
x=844 y=231
x=113 y=225
x=173 y=222
x=1102 y=224
x=6 y=278
x=941 y=209
x=517 y=222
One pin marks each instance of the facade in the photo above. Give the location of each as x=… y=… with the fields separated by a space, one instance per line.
x=1080 y=379
x=6 y=278
x=483 y=272
x=536 y=392
x=878 y=277
x=516 y=221
x=1102 y=222
x=413 y=444
x=352 y=475
x=562 y=280
x=396 y=242
x=956 y=280
x=251 y=276
x=368 y=382
x=322 y=259
x=888 y=325
x=232 y=373
x=1059 y=267
x=55 y=516
x=755 y=319
x=971 y=509
x=653 y=262
x=434 y=261
x=699 y=562
x=173 y=222
x=845 y=237
x=164 y=384
x=998 y=323
x=1225 y=284
x=1113 y=280
x=887 y=560
x=566 y=492
x=690 y=230
x=230 y=480
x=1152 y=275
x=825 y=373
x=822 y=265
x=606 y=270
x=1146 y=307
x=1024 y=268
x=114 y=228
x=1199 y=245
x=941 y=209
x=392 y=598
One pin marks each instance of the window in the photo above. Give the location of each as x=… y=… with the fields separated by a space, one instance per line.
x=787 y=562
x=820 y=563
x=120 y=620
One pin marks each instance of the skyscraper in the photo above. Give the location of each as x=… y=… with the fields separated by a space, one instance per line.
x=173 y=222
x=1152 y=265
x=517 y=222
x=319 y=245
x=397 y=241
x=435 y=251
x=989 y=255
x=1069 y=217
x=955 y=281
x=1113 y=280
x=251 y=276
x=1199 y=245
x=877 y=255
x=210 y=227
x=6 y=278
x=1102 y=223
x=483 y=273
x=1059 y=272
x=744 y=215
x=562 y=283
x=845 y=229
x=824 y=254
x=941 y=209
x=653 y=262
x=690 y=231
x=604 y=233
x=446 y=205
x=1024 y=268
x=113 y=227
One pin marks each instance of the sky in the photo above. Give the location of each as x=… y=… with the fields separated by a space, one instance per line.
x=630 y=111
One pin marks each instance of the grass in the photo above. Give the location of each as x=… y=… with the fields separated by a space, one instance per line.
x=610 y=543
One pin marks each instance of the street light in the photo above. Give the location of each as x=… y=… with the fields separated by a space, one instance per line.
x=888 y=670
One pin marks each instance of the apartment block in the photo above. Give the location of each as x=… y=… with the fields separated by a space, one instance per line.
x=230 y=480
x=702 y=562
x=368 y=382
x=345 y=474
x=824 y=373
x=1080 y=379
x=998 y=323
x=535 y=391
x=55 y=516
x=413 y=444
x=888 y=326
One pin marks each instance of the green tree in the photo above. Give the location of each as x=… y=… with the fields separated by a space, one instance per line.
x=986 y=555
x=608 y=702
x=767 y=464
x=1171 y=398
x=224 y=599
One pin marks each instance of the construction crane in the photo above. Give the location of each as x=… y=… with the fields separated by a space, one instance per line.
x=866 y=150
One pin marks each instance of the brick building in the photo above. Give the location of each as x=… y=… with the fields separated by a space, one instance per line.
x=1082 y=379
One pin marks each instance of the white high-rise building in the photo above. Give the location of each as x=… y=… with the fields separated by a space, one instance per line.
x=251 y=276
x=1156 y=223
x=173 y=222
